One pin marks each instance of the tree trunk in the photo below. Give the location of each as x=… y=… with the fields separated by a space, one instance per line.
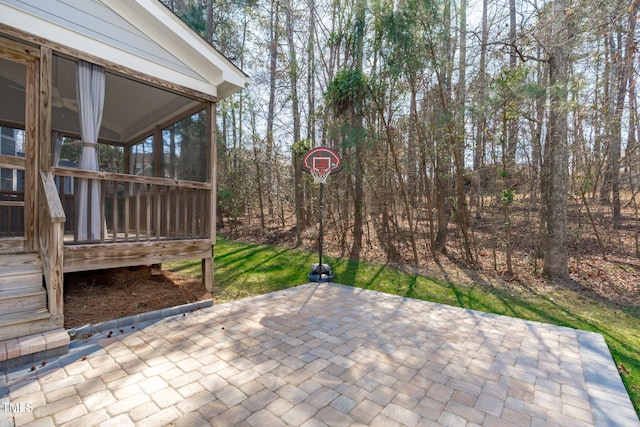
x=555 y=175
x=512 y=129
x=295 y=112
x=632 y=154
x=609 y=117
x=273 y=62
x=625 y=77
x=210 y=26
x=443 y=150
x=256 y=160
x=311 y=99
x=536 y=143
x=459 y=148
x=357 y=124
x=481 y=123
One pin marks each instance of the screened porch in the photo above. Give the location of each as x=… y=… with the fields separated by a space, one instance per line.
x=152 y=177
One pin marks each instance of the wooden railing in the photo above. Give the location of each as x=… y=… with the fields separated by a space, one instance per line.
x=12 y=202
x=52 y=219
x=137 y=208
x=11 y=213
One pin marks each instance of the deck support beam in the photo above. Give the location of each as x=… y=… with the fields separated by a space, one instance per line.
x=207 y=273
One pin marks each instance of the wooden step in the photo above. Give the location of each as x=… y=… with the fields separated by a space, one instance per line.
x=26 y=299
x=20 y=259
x=18 y=271
x=23 y=299
x=13 y=280
x=28 y=323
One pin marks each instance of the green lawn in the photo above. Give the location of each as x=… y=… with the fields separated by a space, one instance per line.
x=243 y=270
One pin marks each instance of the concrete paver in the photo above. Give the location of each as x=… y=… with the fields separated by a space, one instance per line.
x=325 y=354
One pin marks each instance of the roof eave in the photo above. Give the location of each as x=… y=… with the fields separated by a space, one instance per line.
x=155 y=20
x=182 y=42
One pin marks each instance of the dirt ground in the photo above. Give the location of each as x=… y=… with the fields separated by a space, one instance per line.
x=96 y=296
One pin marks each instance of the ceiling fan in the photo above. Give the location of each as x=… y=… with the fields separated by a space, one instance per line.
x=56 y=100
x=59 y=102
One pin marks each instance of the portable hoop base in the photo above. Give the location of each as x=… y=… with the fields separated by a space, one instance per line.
x=320 y=275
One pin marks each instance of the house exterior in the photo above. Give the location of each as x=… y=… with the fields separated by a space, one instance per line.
x=101 y=79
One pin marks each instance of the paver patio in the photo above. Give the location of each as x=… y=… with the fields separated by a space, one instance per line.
x=325 y=354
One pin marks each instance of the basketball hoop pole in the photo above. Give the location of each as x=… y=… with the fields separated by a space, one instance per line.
x=320 y=272
x=320 y=231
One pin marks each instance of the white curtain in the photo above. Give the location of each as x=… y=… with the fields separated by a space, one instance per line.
x=56 y=139
x=90 y=95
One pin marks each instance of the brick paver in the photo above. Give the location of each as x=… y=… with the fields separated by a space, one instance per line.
x=325 y=354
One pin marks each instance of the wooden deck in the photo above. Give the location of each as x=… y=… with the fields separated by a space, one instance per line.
x=145 y=221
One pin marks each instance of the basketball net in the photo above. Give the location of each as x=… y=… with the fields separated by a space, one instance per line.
x=320 y=175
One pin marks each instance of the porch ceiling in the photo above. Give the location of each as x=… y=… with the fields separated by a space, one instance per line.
x=132 y=109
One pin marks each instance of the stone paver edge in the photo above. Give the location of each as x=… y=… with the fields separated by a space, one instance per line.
x=149 y=316
x=610 y=401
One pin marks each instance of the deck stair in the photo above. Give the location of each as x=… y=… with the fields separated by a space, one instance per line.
x=23 y=298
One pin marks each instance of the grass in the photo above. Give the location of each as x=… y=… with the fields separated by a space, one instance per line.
x=243 y=270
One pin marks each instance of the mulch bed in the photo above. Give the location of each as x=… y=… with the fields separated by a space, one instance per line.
x=96 y=296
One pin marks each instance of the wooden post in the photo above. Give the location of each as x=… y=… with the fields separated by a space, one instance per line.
x=31 y=155
x=207 y=273
x=52 y=246
x=126 y=192
x=157 y=153
x=157 y=172
x=212 y=171
x=207 y=263
x=127 y=159
x=54 y=228
x=44 y=131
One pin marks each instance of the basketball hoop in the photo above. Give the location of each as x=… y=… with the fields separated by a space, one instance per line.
x=320 y=175
x=321 y=162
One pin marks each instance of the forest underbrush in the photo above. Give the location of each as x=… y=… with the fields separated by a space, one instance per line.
x=604 y=260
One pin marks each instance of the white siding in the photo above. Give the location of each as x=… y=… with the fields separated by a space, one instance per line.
x=93 y=19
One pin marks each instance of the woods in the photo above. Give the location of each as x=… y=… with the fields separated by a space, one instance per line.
x=503 y=135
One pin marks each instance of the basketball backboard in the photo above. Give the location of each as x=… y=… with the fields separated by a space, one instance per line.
x=320 y=162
